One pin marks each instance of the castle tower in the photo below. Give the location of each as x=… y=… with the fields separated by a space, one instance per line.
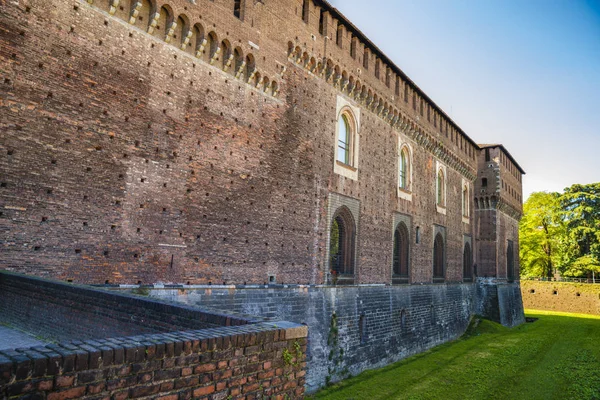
x=498 y=209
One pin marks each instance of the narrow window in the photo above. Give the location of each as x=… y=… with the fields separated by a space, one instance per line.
x=421 y=107
x=344 y=137
x=428 y=114
x=366 y=60
x=353 y=44
x=339 y=35
x=487 y=154
x=305 y=11
x=438 y=258
x=404 y=173
x=397 y=86
x=467 y=263
x=322 y=22
x=400 y=265
x=465 y=201
x=237 y=8
x=510 y=262
x=377 y=69
x=440 y=188
x=414 y=98
x=405 y=92
x=388 y=77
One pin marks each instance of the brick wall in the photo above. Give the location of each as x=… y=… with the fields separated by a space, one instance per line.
x=351 y=329
x=126 y=159
x=244 y=362
x=561 y=296
x=238 y=357
x=59 y=311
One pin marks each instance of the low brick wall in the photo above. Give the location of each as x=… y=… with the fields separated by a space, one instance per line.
x=58 y=311
x=243 y=362
x=244 y=358
x=561 y=296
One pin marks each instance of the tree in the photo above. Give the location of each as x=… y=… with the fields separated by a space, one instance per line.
x=580 y=206
x=541 y=234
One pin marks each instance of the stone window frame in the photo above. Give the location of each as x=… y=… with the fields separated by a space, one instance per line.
x=405 y=192
x=441 y=196
x=335 y=203
x=352 y=113
x=439 y=232
x=405 y=220
x=466 y=201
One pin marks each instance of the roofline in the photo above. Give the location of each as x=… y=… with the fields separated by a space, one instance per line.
x=358 y=33
x=493 y=146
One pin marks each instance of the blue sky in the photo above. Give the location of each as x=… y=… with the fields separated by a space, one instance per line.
x=525 y=73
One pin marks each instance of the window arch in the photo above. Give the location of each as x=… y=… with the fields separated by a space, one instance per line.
x=404 y=169
x=441 y=188
x=465 y=201
x=510 y=262
x=467 y=263
x=401 y=254
x=438 y=258
x=342 y=246
x=346 y=130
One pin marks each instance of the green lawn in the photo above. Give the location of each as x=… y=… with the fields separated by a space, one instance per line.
x=556 y=357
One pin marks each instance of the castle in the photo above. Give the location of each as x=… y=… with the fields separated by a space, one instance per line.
x=238 y=142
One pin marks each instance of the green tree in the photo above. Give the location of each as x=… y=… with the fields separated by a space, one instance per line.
x=541 y=234
x=580 y=206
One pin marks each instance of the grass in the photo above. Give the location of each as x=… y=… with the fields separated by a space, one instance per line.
x=556 y=357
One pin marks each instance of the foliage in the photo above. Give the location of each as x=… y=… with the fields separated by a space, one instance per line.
x=556 y=357
x=540 y=233
x=581 y=214
x=561 y=231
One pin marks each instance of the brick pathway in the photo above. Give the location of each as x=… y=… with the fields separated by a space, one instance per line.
x=13 y=339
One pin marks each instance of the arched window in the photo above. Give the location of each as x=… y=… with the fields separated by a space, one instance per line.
x=401 y=254
x=344 y=153
x=341 y=246
x=404 y=169
x=467 y=263
x=510 y=262
x=438 y=258
x=465 y=201
x=441 y=188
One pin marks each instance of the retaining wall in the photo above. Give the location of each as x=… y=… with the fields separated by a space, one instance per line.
x=351 y=329
x=251 y=360
x=561 y=296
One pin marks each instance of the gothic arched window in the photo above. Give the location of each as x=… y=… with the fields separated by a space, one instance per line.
x=342 y=246
x=401 y=254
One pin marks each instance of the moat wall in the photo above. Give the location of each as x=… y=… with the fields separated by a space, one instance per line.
x=561 y=296
x=351 y=329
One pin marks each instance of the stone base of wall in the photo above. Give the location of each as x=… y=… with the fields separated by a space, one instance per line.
x=354 y=328
x=581 y=298
x=500 y=301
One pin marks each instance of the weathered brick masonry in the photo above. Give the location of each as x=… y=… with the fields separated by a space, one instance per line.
x=248 y=361
x=352 y=329
x=561 y=296
x=126 y=159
